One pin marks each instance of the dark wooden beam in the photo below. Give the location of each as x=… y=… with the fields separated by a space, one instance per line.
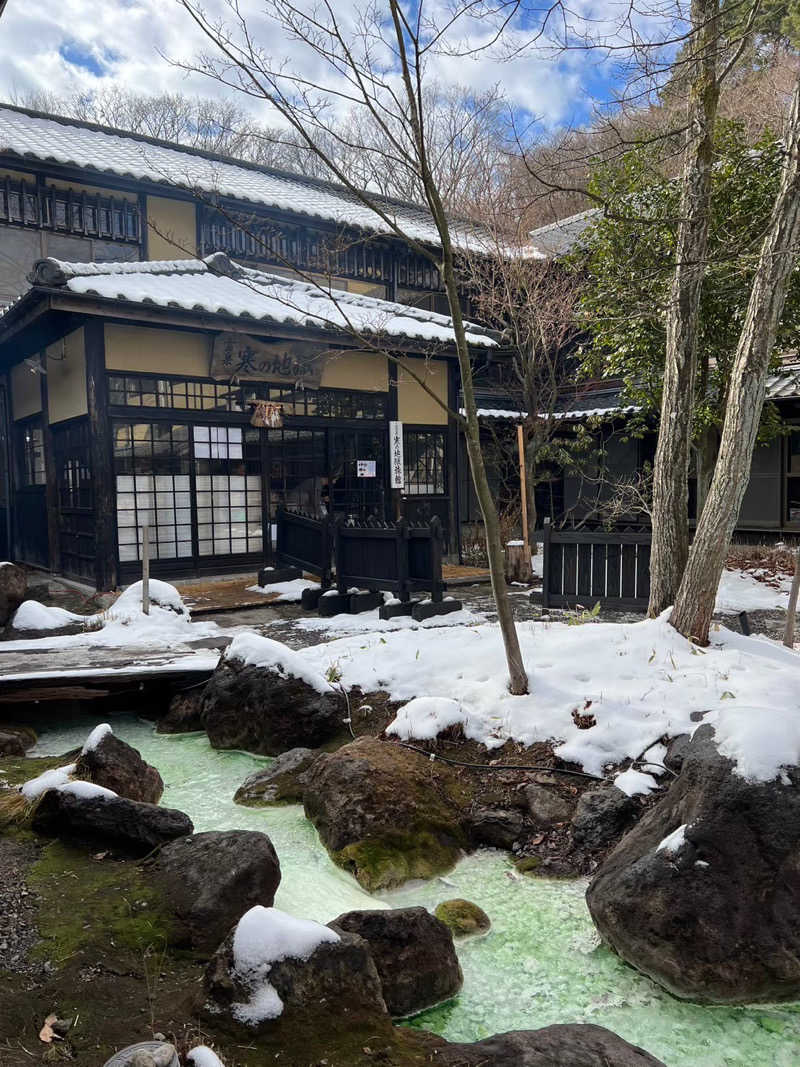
x=101 y=456
x=453 y=506
x=50 y=475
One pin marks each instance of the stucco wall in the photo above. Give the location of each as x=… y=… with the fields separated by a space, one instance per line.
x=26 y=391
x=66 y=377
x=365 y=371
x=139 y=348
x=171 y=228
x=413 y=403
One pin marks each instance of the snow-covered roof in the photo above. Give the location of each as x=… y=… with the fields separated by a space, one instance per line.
x=561 y=236
x=784 y=383
x=50 y=138
x=583 y=413
x=218 y=286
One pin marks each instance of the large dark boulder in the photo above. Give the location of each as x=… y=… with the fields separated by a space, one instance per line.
x=601 y=816
x=334 y=989
x=282 y=782
x=570 y=1045
x=184 y=714
x=703 y=894
x=118 y=766
x=547 y=807
x=13 y=587
x=16 y=740
x=414 y=954
x=495 y=827
x=210 y=880
x=261 y=710
x=117 y=822
x=385 y=813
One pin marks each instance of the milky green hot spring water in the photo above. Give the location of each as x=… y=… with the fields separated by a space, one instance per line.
x=541 y=963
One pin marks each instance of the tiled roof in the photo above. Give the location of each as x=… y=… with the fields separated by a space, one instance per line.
x=103 y=151
x=784 y=384
x=218 y=286
x=559 y=237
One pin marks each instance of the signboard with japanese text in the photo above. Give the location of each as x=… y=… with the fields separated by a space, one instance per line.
x=396 y=464
x=366 y=468
x=290 y=362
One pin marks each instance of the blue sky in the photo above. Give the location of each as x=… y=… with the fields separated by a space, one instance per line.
x=82 y=45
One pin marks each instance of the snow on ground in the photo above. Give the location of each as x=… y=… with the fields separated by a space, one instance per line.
x=742 y=591
x=264 y=936
x=288 y=592
x=640 y=681
x=31 y=615
x=203 y=1056
x=369 y=622
x=124 y=624
x=254 y=650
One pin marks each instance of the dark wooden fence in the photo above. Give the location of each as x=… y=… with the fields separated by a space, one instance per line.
x=305 y=542
x=584 y=566
x=393 y=556
x=374 y=555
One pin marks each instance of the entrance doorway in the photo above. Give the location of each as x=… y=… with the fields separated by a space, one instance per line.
x=336 y=470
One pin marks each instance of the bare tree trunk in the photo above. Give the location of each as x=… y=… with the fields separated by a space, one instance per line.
x=671 y=467
x=530 y=478
x=695 y=603
x=791 y=610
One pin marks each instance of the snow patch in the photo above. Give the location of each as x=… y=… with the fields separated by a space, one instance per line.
x=760 y=740
x=203 y=1056
x=288 y=592
x=86 y=790
x=256 y=651
x=635 y=783
x=52 y=779
x=673 y=842
x=424 y=718
x=163 y=597
x=95 y=737
x=265 y=936
x=31 y=615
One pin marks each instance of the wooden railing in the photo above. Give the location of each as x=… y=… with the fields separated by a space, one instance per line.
x=82 y=214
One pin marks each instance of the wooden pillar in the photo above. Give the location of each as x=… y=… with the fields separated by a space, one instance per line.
x=396 y=510
x=51 y=478
x=453 y=503
x=102 y=457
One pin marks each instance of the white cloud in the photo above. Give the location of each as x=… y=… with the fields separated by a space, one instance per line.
x=126 y=40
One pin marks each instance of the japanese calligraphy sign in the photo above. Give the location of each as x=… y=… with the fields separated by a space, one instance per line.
x=290 y=362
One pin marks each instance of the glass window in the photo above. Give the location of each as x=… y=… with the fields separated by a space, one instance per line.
x=793 y=476
x=424 y=457
x=32 y=454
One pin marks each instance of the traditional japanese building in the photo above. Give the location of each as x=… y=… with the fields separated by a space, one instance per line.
x=164 y=365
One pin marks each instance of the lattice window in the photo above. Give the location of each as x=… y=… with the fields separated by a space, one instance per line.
x=228 y=482
x=425 y=467
x=152 y=465
x=31 y=452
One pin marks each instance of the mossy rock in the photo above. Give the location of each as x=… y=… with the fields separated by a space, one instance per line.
x=385 y=813
x=528 y=864
x=464 y=918
x=383 y=863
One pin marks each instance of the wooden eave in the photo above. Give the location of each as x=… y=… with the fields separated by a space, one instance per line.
x=65 y=309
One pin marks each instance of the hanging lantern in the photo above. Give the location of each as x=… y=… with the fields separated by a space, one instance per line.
x=267 y=415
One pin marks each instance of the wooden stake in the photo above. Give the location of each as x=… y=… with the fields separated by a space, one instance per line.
x=146 y=570
x=791 y=611
x=523 y=492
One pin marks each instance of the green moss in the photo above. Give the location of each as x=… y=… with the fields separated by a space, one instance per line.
x=527 y=864
x=463 y=917
x=14 y=770
x=388 y=861
x=88 y=905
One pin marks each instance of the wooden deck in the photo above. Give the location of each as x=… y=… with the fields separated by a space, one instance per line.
x=212 y=595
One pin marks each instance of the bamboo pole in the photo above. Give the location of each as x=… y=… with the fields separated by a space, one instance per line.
x=791 y=611
x=146 y=570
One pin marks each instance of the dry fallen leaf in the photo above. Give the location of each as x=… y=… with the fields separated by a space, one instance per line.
x=47 y=1033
